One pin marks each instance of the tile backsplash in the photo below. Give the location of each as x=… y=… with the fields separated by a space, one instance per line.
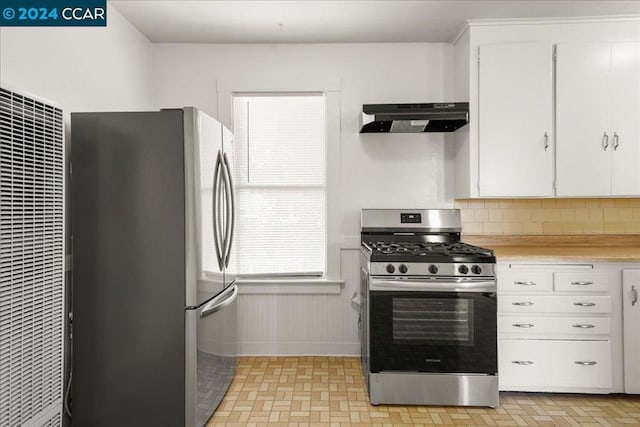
x=550 y=216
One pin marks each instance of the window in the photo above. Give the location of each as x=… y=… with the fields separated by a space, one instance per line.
x=280 y=163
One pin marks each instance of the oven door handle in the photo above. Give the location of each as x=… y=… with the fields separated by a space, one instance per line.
x=428 y=286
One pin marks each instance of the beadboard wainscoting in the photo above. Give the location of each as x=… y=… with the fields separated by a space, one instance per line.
x=302 y=323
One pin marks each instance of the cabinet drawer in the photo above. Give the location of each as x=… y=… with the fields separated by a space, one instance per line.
x=554 y=327
x=569 y=304
x=524 y=281
x=581 y=282
x=548 y=365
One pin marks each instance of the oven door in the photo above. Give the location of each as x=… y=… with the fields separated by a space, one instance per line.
x=433 y=326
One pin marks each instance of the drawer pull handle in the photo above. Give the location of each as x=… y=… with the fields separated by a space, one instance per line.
x=526 y=303
x=587 y=283
x=524 y=283
x=585 y=362
x=523 y=325
x=585 y=304
x=523 y=362
x=583 y=326
x=634 y=295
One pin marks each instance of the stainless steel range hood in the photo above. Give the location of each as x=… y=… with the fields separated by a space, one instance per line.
x=413 y=118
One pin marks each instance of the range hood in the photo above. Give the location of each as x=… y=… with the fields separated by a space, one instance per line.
x=414 y=118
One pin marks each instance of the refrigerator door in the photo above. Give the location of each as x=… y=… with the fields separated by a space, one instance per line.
x=230 y=226
x=210 y=354
x=205 y=206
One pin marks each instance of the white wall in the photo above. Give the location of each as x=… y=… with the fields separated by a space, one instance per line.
x=374 y=170
x=80 y=68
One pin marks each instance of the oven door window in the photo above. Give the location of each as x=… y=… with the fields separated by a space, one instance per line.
x=433 y=332
x=432 y=321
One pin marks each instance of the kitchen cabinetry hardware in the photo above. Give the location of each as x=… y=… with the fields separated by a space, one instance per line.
x=634 y=295
x=523 y=303
x=615 y=141
x=524 y=283
x=546 y=141
x=605 y=141
x=586 y=362
x=522 y=362
x=585 y=304
x=582 y=283
x=583 y=326
x=523 y=325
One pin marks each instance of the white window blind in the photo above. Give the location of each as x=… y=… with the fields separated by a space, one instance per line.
x=279 y=152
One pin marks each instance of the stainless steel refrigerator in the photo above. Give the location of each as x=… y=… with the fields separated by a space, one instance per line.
x=154 y=312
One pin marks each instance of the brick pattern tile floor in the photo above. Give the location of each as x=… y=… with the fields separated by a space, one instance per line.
x=330 y=391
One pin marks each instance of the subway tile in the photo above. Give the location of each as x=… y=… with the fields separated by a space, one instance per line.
x=622 y=203
x=625 y=214
x=551 y=228
x=492 y=228
x=481 y=215
x=567 y=215
x=552 y=215
x=581 y=214
x=495 y=215
x=538 y=215
x=523 y=215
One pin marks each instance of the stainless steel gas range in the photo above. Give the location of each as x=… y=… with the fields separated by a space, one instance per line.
x=428 y=310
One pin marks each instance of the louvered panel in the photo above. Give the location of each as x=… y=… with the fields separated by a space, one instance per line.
x=31 y=261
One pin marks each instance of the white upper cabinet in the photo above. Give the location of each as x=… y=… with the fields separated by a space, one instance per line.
x=570 y=85
x=625 y=73
x=515 y=94
x=597 y=114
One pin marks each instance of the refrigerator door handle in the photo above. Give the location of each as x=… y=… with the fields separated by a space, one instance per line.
x=216 y=208
x=231 y=215
x=220 y=302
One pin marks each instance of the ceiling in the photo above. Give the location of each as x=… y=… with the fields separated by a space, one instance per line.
x=312 y=21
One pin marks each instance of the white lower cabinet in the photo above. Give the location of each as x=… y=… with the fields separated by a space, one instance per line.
x=631 y=312
x=554 y=365
x=560 y=327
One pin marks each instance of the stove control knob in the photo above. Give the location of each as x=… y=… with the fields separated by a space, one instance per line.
x=433 y=269
x=390 y=268
x=463 y=269
x=476 y=269
x=403 y=268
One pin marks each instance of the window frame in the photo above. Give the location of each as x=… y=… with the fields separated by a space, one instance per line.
x=330 y=87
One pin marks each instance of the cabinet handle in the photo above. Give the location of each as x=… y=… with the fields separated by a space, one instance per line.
x=522 y=325
x=615 y=141
x=546 y=141
x=585 y=362
x=583 y=326
x=525 y=283
x=523 y=362
x=585 y=304
x=526 y=303
x=634 y=295
x=582 y=283
x=605 y=141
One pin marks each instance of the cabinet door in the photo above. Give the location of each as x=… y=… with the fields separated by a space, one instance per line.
x=625 y=92
x=631 y=313
x=515 y=116
x=583 y=72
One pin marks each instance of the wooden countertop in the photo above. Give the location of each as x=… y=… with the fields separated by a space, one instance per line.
x=574 y=248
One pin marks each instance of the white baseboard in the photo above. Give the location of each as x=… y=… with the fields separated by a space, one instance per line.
x=298 y=349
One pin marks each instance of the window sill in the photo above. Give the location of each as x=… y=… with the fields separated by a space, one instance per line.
x=289 y=286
